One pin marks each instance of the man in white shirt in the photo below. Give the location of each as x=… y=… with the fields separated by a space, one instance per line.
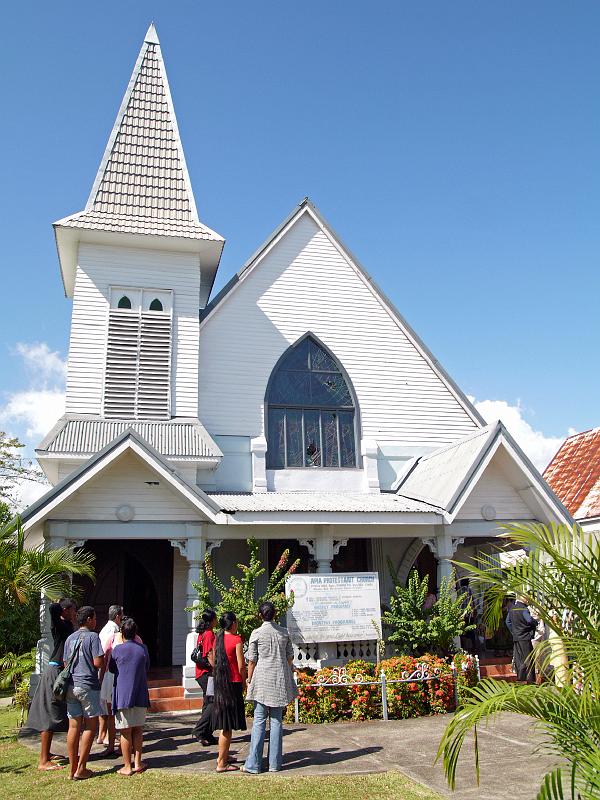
x=106 y=731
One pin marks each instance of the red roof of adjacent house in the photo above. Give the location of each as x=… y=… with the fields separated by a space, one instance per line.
x=574 y=474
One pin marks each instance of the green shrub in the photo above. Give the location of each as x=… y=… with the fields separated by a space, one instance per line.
x=19 y=626
x=415 y=630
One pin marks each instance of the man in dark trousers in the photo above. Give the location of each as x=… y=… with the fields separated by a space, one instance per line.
x=522 y=627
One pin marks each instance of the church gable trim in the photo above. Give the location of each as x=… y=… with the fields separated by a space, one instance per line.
x=306 y=207
x=456 y=480
x=128 y=440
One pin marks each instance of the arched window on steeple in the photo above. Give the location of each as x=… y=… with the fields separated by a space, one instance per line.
x=156 y=305
x=311 y=413
x=124 y=302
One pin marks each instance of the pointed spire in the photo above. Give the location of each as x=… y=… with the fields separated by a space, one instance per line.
x=151 y=35
x=142 y=185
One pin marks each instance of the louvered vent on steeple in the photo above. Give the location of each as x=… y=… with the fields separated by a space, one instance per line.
x=138 y=358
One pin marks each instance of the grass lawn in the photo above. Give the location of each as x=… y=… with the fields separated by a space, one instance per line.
x=20 y=780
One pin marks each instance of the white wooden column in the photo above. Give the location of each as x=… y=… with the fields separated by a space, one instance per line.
x=443 y=546
x=323 y=547
x=193 y=546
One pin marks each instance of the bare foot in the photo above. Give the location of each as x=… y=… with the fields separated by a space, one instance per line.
x=83 y=775
x=50 y=767
x=127 y=771
x=142 y=767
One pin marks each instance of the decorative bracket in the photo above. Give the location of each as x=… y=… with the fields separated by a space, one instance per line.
x=75 y=543
x=338 y=544
x=309 y=544
x=181 y=545
x=433 y=545
x=212 y=545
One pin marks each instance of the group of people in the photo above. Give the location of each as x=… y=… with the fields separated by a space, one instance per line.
x=107 y=690
x=222 y=673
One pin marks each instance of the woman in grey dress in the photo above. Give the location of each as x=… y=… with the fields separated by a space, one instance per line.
x=271 y=686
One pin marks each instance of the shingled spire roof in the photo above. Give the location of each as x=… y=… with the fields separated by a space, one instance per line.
x=142 y=185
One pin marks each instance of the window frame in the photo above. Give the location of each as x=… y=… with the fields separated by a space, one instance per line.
x=320 y=408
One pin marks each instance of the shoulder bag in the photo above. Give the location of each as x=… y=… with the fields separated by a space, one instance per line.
x=63 y=679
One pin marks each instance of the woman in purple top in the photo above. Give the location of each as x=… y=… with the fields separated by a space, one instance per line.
x=129 y=663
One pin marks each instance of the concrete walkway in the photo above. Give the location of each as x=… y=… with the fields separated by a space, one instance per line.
x=509 y=771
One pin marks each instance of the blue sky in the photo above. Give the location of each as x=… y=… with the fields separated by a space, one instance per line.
x=455 y=147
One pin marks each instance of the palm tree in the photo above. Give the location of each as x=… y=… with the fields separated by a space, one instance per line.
x=559 y=577
x=27 y=572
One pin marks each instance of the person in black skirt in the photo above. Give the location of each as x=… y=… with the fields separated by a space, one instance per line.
x=46 y=713
x=230 y=678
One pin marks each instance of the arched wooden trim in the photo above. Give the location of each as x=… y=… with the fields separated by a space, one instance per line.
x=407 y=561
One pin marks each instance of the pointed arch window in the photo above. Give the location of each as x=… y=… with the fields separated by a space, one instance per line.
x=124 y=302
x=156 y=305
x=311 y=414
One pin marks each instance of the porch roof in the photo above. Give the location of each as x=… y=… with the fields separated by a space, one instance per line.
x=446 y=477
x=319 y=501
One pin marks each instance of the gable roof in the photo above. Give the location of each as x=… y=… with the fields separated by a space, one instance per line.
x=574 y=474
x=446 y=477
x=128 y=440
x=142 y=185
x=307 y=207
x=82 y=436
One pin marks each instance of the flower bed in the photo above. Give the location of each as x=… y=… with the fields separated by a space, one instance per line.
x=415 y=698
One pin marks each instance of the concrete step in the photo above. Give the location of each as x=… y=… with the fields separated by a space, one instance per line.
x=175 y=704
x=495 y=670
x=158 y=683
x=162 y=692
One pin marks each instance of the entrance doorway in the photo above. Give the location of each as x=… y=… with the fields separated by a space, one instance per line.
x=138 y=576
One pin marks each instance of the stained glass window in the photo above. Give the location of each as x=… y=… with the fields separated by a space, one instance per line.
x=310 y=411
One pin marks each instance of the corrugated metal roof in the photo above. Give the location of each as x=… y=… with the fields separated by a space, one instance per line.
x=438 y=476
x=142 y=184
x=318 y=501
x=574 y=474
x=86 y=436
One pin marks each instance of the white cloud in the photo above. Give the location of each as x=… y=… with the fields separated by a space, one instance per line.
x=28 y=492
x=539 y=447
x=44 y=363
x=34 y=409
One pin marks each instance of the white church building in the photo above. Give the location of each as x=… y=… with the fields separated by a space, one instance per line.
x=296 y=406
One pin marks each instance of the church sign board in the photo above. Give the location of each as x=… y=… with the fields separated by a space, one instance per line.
x=337 y=607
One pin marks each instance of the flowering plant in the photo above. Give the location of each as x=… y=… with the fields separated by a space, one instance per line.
x=242 y=596
x=327 y=696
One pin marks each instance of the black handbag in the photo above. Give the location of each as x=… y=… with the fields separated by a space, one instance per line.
x=199 y=660
x=63 y=679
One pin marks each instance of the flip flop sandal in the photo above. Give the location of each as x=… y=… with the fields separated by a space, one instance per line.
x=228 y=768
x=52 y=767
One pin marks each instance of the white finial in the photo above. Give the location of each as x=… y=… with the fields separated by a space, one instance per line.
x=151 y=36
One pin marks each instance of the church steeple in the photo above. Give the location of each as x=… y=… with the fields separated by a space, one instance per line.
x=142 y=187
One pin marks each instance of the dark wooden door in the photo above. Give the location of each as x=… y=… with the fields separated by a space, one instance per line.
x=138 y=576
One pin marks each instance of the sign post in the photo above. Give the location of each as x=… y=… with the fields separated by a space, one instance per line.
x=336 y=607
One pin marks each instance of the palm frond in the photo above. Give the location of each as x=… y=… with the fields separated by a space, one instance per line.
x=567 y=731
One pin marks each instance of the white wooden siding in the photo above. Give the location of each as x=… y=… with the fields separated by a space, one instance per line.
x=494 y=489
x=124 y=483
x=180 y=628
x=304 y=284
x=102 y=266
